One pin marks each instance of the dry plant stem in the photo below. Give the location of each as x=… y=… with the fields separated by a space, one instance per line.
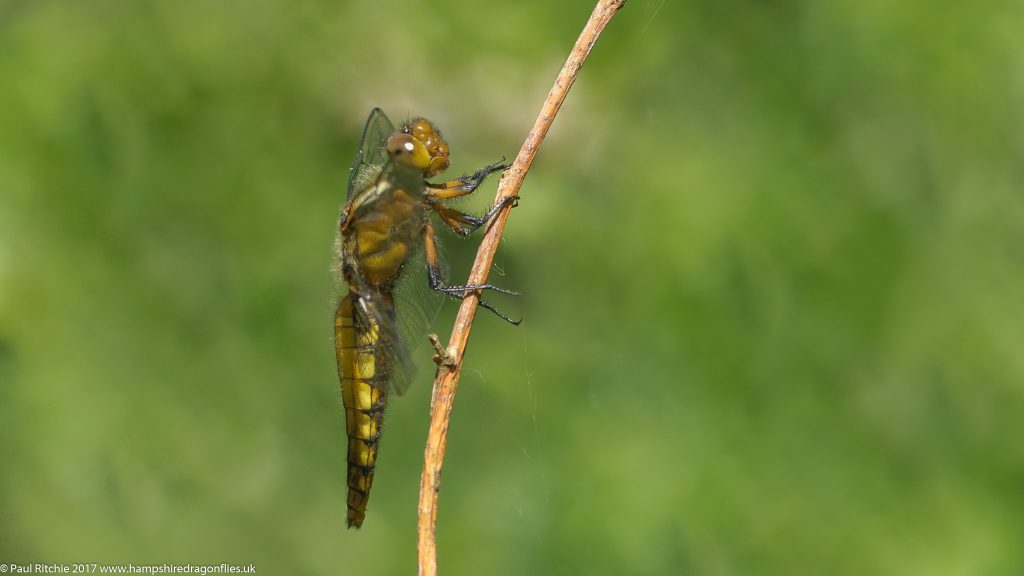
x=446 y=381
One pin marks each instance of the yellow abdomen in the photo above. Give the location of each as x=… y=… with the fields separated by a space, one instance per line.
x=364 y=401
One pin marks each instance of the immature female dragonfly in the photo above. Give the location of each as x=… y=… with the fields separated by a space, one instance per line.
x=384 y=231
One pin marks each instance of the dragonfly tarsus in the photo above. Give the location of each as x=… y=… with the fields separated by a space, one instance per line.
x=465 y=224
x=487 y=305
x=478 y=177
x=461 y=292
x=464 y=185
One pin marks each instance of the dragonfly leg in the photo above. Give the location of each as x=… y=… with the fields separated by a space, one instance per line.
x=465 y=224
x=464 y=185
x=437 y=282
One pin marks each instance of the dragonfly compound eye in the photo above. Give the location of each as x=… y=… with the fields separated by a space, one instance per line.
x=408 y=150
x=422 y=130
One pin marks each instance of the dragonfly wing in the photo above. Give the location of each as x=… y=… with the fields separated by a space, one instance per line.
x=416 y=306
x=376 y=326
x=372 y=155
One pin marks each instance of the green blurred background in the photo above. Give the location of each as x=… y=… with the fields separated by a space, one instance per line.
x=771 y=256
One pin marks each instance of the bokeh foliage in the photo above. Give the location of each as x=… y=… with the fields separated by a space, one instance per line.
x=772 y=256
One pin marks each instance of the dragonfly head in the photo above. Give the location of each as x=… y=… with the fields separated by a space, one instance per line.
x=419 y=144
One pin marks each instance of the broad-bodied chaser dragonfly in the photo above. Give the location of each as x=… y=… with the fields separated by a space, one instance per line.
x=385 y=230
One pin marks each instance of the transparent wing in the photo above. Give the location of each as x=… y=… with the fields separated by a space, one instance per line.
x=404 y=317
x=376 y=327
x=372 y=156
x=405 y=310
x=416 y=306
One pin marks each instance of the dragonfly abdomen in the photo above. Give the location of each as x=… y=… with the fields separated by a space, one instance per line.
x=364 y=397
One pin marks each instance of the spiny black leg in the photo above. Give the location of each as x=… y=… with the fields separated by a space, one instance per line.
x=465 y=224
x=464 y=185
x=513 y=200
x=437 y=283
x=480 y=175
x=459 y=290
x=485 y=304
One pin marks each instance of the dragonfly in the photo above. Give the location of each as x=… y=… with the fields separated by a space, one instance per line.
x=385 y=234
